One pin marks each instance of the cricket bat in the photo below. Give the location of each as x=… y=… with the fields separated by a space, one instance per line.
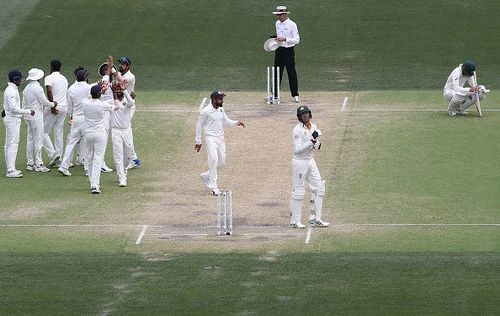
x=478 y=103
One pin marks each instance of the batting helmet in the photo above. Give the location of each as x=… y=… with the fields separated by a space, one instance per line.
x=303 y=109
x=468 y=68
x=125 y=60
x=15 y=75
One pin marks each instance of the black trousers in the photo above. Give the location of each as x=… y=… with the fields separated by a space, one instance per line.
x=285 y=57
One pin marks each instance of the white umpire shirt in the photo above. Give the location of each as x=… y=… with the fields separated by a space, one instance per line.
x=456 y=81
x=288 y=29
x=59 y=87
x=34 y=99
x=12 y=101
x=212 y=122
x=302 y=144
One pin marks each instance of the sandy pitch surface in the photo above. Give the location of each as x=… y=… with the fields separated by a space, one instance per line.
x=258 y=166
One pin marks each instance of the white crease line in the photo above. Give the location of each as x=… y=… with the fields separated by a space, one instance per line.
x=344 y=104
x=409 y=224
x=141 y=235
x=308 y=235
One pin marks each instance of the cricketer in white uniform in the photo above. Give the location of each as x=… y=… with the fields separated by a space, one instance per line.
x=95 y=135
x=11 y=115
x=305 y=137
x=78 y=92
x=129 y=78
x=459 y=97
x=34 y=99
x=211 y=121
x=57 y=87
x=121 y=132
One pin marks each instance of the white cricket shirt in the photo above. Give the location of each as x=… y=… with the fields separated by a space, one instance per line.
x=120 y=118
x=59 y=87
x=94 y=111
x=34 y=99
x=302 y=144
x=456 y=81
x=12 y=101
x=212 y=122
x=77 y=93
x=288 y=29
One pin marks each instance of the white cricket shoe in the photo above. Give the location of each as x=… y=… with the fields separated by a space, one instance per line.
x=318 y=223
x=106 y=169
x=54 y=159
x=30 y=167
x=41 y=168
x=14 y=174
x=297 y=225
x=95 y=190
x=134 y=164
x=64 y=171
x=296 y=99
x=206 y=179
x=122 y=183
x=215 y=192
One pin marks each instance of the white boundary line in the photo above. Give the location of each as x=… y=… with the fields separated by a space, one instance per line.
x=308 y=235
x=344 y=104
x=141 y=235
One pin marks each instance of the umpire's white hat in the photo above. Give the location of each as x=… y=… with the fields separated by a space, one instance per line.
x=281 y=9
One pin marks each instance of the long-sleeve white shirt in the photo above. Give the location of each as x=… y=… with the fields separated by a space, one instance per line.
x=130 y=77
x=288 y=29
x=77 y=93
x=120 y=118
x=34 y=99
x=94 y=111
x=456 y=81
x=302 y=144
x=212 y=122
x=12 y=101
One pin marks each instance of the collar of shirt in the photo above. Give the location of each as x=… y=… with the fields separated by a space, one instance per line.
x=13 y=85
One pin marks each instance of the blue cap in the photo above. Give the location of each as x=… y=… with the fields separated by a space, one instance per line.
x=124 y=60
x=15 y=74
x=81 y=75
x=95 y=90
x=217 y=94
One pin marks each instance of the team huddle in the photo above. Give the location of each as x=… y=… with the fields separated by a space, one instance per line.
x=94 y=111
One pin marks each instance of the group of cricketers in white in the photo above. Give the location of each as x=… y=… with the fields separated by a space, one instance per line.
x=94 y=111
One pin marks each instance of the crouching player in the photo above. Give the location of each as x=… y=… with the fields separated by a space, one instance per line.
x=121 y=130
x=305 y=138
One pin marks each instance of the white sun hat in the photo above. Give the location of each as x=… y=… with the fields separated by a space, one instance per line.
x=35 y=74
x=281 y=9
x=271 y=44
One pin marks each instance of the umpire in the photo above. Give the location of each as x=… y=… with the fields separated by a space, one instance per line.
x=288 y=36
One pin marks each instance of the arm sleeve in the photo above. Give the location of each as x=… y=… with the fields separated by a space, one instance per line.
x=199 y=127
x=130 y=101
x=458 y=88
x=12 y=106
x=299 y=147
x=42 y=99
x=228 y=121
x=295 y=39
x=70 y=104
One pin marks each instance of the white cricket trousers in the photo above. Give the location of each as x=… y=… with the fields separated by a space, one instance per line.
x=76 y=135
x=12 y=130
x=216 y=154
x=123 y=145
x=96 y=147
x=34 y=142
x=56 y=123
x=305 y=171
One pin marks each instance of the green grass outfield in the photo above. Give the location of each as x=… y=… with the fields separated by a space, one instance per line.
x=412 y=194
